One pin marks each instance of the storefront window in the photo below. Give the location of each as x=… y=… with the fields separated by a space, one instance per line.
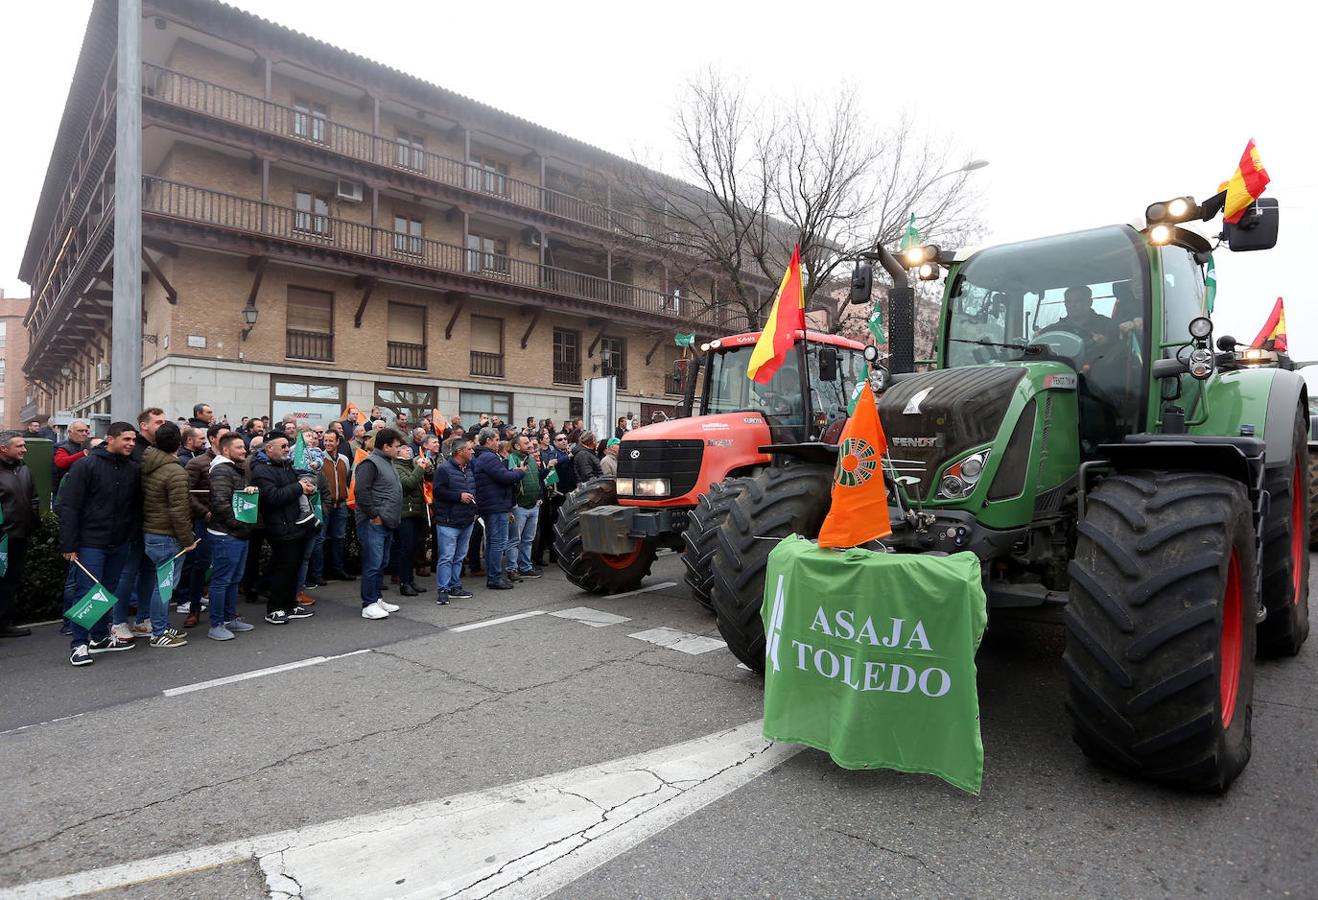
x=311 y=401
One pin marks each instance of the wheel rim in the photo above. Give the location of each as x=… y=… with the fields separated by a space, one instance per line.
x=1297 y=534
x=622 y=560
x=1232 y=639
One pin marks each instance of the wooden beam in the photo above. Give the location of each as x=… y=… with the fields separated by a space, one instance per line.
x=368 y=287
x=590 y=354
x=256 y=265
x=535 y=317
x=461 y=301
x=164 y=248
x=170 y=294
x=659 y=340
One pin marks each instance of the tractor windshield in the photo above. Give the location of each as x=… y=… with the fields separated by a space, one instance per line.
x=729 y=390
x=1081 y=297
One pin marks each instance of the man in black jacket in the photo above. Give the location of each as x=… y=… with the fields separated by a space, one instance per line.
x=585 y=462
x=379 y=495
x=18 y=503
x=226 y=536
x=288 y=523
x=100 y=511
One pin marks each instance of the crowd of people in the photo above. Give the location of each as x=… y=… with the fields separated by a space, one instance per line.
x=197 y=514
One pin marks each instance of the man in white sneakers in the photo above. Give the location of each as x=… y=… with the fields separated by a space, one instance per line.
x=379 y=495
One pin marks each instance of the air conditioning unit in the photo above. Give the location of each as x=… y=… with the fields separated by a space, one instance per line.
x=102 y=371
x=531 y=237
x=350 y=191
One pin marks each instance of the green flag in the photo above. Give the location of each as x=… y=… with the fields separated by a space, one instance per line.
x=1210 y=286
x=552 y=478
x=165 y=579
x=871 y=658
x=911 y=237
x=875 y=323
x=685 y=339
x=245 y=507
x=299 y=452
x=92 y=607
x=855 y=397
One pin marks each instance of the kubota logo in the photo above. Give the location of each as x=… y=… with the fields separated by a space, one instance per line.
x=636 y=454
x=913 y=405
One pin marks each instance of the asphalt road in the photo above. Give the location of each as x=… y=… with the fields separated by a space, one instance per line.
x=110 y=764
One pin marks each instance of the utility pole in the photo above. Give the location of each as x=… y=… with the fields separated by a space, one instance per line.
x=126 y=344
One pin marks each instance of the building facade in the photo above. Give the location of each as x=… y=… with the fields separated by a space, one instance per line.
x=20 y=401
x=320 y=229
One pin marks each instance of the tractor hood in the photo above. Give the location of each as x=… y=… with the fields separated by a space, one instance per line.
x=933 y=417
x=698 y=427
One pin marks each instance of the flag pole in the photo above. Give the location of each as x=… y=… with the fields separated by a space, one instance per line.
x=801 y=365
x=79 y=564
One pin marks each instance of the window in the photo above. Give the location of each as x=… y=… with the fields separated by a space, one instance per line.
x=407 y=336
x=411 y=152
x=407 y=235
x=567 y=356
x=488 y=175
x=309 y=120
x=487 y=254
x=312 y=216
x=314 y=401
x=310 y=324
x=4 y=334
x=576 y=407
x=2 y=370
x=472 y=404
x=613 y=359
x=487 y=346
x=1182 y=293
x=416 y=402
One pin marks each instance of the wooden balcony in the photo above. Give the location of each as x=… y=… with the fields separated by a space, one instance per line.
x=184 y=203
x=490 y=365
x=182 y=91
x=313 y=345
x=407 y=356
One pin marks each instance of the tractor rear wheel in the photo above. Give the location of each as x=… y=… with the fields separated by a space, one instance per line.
x=774 y=503
x=1313 y=500
x=597 y=572
x=1160 y=638
x=699 y=539
x=1286 y=551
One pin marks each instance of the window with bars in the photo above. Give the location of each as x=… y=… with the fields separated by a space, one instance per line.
x=310 y=324
x=309 y=120
x=407 y=336
x=487 y=346
x=312 y=215
x=407 y=235
x=613 y=359
x=487 y=254
x=411 y=151
x=567 y=356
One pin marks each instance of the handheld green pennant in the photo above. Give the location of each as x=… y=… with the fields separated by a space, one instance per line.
x=245 y=507
x=165 y=579
x=91 y=608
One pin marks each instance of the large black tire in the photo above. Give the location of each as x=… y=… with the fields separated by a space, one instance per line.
x=1163 y=603
x=700 y=537
x=1286 y=551
x=774 y=503
x=595 y=572
x=1313 y=500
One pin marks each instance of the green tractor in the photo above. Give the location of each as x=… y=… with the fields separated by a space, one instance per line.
x=1079 y=432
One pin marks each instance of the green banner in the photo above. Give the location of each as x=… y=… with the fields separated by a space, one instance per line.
x=165 y=579
x=685 y=339
x=870 y=657
x=244 y=507
x=1210 y=286
x=92 y=607
x=875 y=323
x=911 y=236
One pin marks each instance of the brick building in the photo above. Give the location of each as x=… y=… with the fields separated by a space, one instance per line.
x=319 y=228
x=19 y=400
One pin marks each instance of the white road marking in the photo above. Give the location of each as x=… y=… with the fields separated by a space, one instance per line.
x=644 y=590
x=244 y=676
x=592 y=617
x=488 y=622
x=524 y=840
x=35 y=724
x=681 y=641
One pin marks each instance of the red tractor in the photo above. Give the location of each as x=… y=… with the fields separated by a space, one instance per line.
x=678 y=479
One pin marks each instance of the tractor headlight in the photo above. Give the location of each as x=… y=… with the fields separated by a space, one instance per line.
x=650 y=487
x=1161 y=234
x=1201 y=362
x=1201 y=328
x=624 y=487
x=972 y=467
x=951 y=487
x=962 y=477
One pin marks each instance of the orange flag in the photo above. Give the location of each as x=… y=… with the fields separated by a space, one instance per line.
x=786 y=318
x=352 y=485
x=860 y=500
x=438 y=421
x=1274 y=329
x=353 y=410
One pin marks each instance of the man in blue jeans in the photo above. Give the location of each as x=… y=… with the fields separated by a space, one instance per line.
x=228 y=537
x=379 y=496
x=198 y=469
x=100 y=509
x=526 y=510
x=334 y=498
x=494 y=499
x=455 y=514
x=167 y=530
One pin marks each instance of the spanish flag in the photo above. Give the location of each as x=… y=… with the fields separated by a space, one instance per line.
x=1246 y=185
x=1273 y=335
x=860 y=499
x=786 y=318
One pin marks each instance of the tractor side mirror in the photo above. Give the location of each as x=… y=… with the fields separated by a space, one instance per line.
x=828 y=364
x=862 y=283
x=1257 y=229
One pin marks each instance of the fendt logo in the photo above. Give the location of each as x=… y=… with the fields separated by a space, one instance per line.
x=915 y=442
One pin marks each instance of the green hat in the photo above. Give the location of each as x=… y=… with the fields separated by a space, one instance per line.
x=611 y=442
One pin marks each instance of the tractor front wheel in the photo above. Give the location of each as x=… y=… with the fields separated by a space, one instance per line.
x=774 y=503
x=699 y=540
x=1160 y=628
x=598 y=573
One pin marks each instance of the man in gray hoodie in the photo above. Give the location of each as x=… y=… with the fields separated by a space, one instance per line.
x=379 y=496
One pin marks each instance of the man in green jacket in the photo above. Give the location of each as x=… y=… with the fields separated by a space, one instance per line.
x=412 y=471
x=526 y=511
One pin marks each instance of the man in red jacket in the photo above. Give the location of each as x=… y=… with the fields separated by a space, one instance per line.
x=72 y=449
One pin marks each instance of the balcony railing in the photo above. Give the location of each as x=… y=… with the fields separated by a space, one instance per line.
x=407 y=356
x=310 y=345
x=178 y=89
x=488 y=364
x=567 y=372
x=185 y=202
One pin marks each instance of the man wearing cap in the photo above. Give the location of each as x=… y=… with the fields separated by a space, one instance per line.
x=609 y=464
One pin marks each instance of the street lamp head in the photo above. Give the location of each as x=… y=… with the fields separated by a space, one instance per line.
x=974 y=164
x=249 y=315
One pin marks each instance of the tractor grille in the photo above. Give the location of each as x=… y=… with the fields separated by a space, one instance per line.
x=677 y=460
x=960 y=409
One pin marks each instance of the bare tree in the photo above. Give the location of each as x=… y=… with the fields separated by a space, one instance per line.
x=757 y=178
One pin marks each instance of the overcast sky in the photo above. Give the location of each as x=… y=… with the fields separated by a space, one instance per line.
x=1086 y=112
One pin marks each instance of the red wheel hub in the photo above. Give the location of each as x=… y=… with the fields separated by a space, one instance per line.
x=1233 y=624
x=1299 y=529
x=622 y=560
